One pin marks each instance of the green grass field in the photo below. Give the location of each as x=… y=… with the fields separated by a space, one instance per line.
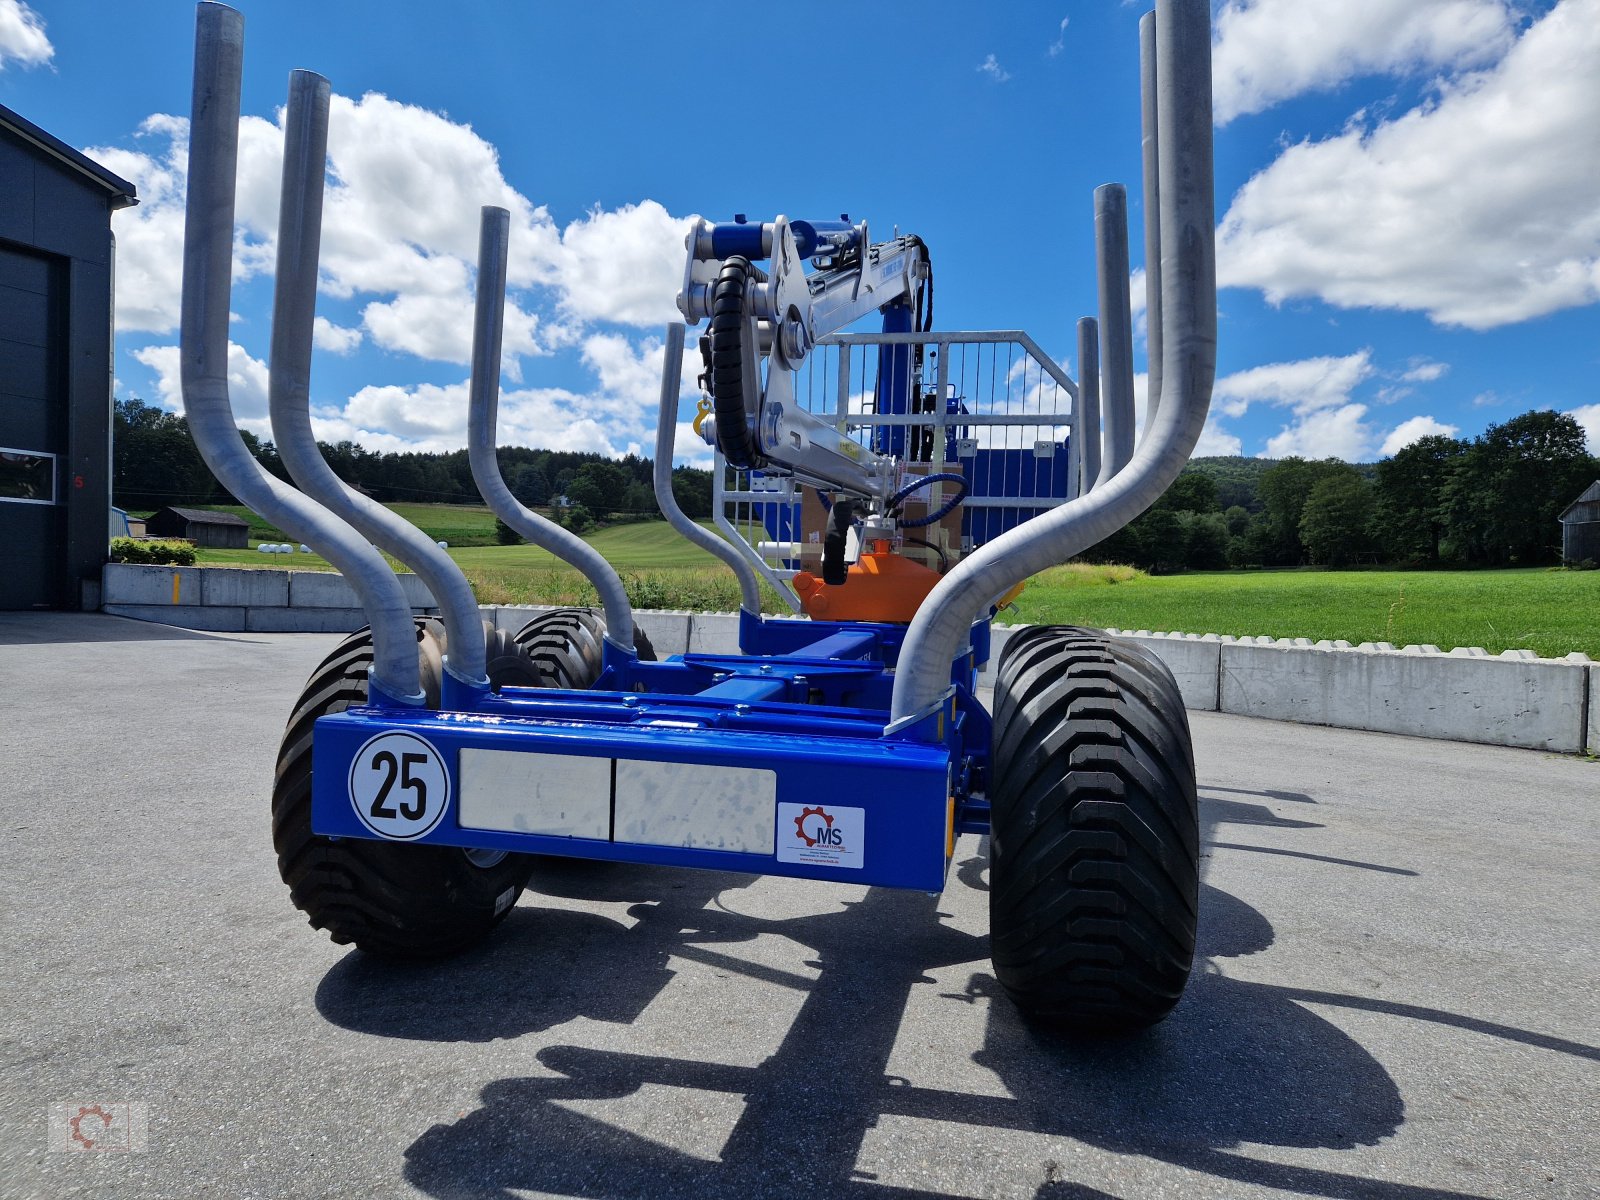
x=458 y=524
x=661 y=569
x=1551 y=612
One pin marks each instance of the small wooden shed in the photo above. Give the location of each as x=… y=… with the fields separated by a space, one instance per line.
x=1580 y=527
x=199 y=526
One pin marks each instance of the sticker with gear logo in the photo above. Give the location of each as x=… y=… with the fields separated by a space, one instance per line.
x=822 y=835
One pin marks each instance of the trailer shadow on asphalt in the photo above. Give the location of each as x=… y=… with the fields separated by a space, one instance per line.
x=1238 y=1062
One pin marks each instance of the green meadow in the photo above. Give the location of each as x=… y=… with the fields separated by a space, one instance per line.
x=1550 y=611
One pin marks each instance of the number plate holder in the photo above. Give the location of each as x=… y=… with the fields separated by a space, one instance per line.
x=669 y=794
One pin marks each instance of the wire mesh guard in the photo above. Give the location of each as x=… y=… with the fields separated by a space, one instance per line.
x=992 y=407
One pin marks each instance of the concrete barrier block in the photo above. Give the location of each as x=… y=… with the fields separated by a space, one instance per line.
x=417 y=593
x=713 y=633
x=999 y=635
x=511 y=617
x=129 y=583
x=1194 y=663
x=668 y=631
x=245 y=587
x=304 y=620
x=1537 y=705
x=215 y=619
x=321 y=589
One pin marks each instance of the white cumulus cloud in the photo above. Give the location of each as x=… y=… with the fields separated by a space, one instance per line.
x=1306 y=385
x=22 y=36
x=1479 y=209
x=1330 y=433
x=400 y=229
x=1414 y=430
x=1425 y=371
x=336 y=339
x=1327 y=422
x=400 y=239
x=247 y=384
x=1267 y=51
x=624 y=265
x=1588 y=415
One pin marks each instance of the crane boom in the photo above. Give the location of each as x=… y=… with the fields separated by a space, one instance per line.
x=773 y=318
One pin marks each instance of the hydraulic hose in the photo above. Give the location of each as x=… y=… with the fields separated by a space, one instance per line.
x=729 y=323
x=916 y=485
x=835 y=570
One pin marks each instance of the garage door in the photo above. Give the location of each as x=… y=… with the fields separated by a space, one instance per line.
x=32 y=432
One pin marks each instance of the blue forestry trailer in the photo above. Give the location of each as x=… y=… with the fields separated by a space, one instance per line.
x=892 y=488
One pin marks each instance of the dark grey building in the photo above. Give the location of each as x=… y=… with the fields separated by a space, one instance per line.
x=200 y=526
x=1580 y=527
x=56 y=253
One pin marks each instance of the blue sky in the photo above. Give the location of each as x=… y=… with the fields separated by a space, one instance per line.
x=1408 y=191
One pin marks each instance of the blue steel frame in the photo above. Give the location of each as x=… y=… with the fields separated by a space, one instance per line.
x=806 y=700
x=804 y=703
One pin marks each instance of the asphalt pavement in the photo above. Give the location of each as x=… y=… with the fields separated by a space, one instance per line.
x=1396 y=995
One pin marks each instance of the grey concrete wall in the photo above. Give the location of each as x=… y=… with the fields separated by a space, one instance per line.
x=1507 y=701
x=245 y=588
x=241 y=599
x=124 y=583
x=1515 y=699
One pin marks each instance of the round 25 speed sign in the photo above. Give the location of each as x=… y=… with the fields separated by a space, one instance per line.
x=399 y=786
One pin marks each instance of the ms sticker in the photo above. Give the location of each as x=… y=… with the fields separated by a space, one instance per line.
x=822 y=835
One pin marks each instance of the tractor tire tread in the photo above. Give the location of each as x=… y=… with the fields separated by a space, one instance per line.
x=1095 y=841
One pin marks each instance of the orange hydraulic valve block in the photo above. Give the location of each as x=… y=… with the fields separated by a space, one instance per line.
x=880 y=587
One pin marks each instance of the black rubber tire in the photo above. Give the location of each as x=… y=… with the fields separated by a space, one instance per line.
x=564 y=646
x=1094 y=848
x=390 y=900
x=414 y=902
x=642 y=646
x=727 y=333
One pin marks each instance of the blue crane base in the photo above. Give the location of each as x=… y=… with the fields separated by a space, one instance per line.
x=776 y=761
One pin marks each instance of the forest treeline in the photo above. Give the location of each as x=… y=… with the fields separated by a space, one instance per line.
x=155 y=463
x=1492 y=500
